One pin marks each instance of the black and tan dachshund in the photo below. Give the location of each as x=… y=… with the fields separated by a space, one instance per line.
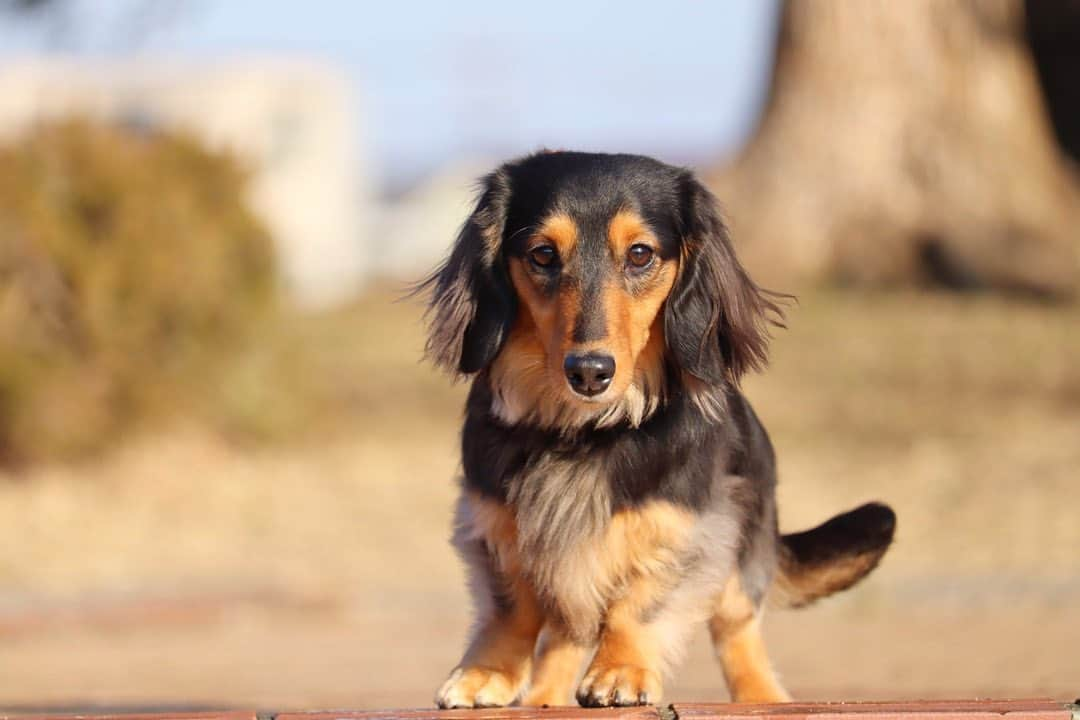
x=618 y=489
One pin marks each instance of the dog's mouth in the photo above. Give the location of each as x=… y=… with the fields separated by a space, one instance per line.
x=594 y=399
x=601 y=398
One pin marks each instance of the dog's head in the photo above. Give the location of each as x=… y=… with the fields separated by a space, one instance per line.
x=584 y=283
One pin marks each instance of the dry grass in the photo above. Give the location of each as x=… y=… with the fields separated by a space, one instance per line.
x=962 y=411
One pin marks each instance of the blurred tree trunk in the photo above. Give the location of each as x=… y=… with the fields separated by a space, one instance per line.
x=907 y=142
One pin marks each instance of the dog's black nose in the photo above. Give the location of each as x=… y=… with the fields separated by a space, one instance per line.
x=589 y=374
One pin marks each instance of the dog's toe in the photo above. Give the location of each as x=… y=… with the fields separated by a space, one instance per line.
x=619 y=686
x=476 y=687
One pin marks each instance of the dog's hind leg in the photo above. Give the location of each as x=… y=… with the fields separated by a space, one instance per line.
x=555 y=669
x=736 y=633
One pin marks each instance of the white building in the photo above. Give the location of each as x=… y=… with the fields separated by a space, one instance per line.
x=293 y=122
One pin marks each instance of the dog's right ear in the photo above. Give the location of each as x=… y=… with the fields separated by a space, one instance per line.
x=471 y=303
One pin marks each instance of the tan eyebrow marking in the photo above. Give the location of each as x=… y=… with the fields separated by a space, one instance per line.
x=626 y=227
x=561 y=229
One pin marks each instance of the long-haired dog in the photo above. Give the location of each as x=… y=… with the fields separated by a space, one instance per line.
x=618 y=489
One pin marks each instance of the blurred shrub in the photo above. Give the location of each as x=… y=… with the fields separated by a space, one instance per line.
x=129 y=267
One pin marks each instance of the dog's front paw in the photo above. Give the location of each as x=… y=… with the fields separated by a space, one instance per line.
x=619 y=685
x=471 y=687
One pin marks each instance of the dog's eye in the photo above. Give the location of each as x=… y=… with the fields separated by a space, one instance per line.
x=543 y=255
x=640 y=255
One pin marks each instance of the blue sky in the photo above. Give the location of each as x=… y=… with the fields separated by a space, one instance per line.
x=436 y=81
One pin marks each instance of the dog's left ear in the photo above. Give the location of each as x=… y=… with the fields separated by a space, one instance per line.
x=471 y=303
x=716 y=319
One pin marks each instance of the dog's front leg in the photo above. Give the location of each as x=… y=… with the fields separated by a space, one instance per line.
x=557 y=666
x=626 y=669
x=497 y=662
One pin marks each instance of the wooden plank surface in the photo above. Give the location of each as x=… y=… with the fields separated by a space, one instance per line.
x=554 y=713
x=1036 y=709
x=136 y=715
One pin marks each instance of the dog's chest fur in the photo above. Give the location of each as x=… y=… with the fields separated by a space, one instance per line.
x=557 y=530
x=589 y=519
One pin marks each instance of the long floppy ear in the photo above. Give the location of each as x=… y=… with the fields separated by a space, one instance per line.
x=716 y=320
x=471 y=304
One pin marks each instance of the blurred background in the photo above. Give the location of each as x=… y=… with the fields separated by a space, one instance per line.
x=225 y=474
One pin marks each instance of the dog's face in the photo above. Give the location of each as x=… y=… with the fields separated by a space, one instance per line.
x=582 y=281
x=591 y=266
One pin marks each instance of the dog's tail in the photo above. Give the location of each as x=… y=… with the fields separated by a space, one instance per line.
x=833 y=556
